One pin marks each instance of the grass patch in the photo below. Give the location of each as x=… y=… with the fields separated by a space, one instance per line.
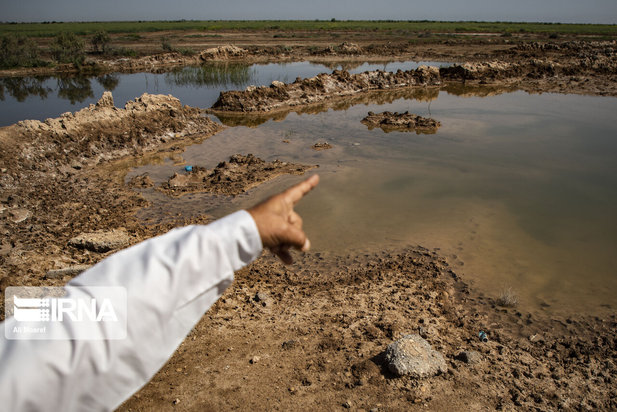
x=48 y=29
x=507 y=298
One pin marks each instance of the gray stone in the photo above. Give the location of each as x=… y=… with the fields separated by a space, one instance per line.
x=101 y=241
x=414 y=356
x=469 y=356
x=18 y=215
x=67 y=271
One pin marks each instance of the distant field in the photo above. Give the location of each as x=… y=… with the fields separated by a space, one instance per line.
x=52 y=28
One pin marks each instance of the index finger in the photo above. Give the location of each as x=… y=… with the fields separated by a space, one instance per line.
x=297 y=192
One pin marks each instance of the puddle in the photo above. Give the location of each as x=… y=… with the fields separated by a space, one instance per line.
x=516 y=190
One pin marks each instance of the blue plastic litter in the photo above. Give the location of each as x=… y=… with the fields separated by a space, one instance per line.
x=482 y=336
x=188 y=168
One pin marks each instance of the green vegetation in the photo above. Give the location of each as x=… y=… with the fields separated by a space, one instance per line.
x=68 y=48
x=18 y=51
x=100 y=41
x=89 y=28
x=216 y=74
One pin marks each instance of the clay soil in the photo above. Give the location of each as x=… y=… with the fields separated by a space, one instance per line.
x=311 y=335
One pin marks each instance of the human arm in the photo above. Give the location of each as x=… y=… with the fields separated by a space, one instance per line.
x=170 y=281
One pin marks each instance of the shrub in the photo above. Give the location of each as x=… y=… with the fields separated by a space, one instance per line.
x=100 y=41
x=507 y=298
x=18 y=51
x=68 y=48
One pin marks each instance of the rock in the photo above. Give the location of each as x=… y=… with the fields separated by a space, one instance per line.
x=277 y=84
x=254 y=360
x=18 y=215
x=469 y=356
x=289 y=344
x=322 y=146
x=67 y=271
x=107 y=100
x=101 y=241
x=347 y=404
x=263 y=299
x=414 y=356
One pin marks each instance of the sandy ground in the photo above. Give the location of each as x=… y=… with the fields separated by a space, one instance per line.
x=312 y=334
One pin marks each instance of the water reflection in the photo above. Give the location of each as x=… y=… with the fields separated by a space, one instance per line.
x=463 y=90
x=109 y=81
x=74 y=89
x=337 y=104
x=218 y=74
x=194 y=86
x=21 y=87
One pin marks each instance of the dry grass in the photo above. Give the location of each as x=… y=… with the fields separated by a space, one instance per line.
x=507 y=298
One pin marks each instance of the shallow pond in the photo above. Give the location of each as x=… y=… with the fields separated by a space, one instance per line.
x=42 y=97
x=518 y=191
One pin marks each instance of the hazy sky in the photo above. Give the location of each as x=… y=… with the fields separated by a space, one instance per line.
x=567 y=11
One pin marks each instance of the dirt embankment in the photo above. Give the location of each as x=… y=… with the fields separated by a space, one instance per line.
x=379 y=97
x=534 y=67
x=231 y=178
x=57 y=180
x=312 y=336
x=571 y=67
x=302 y=92
x=406 y=122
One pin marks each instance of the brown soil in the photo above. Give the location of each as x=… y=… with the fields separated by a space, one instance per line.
x=61 y=178
x=406 y=122
x=236 y=176
x=309 y=335
x=312 y=336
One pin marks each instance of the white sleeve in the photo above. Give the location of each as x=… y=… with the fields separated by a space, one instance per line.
x=170 y=280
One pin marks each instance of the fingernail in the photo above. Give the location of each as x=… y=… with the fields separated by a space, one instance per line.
x=307 y=245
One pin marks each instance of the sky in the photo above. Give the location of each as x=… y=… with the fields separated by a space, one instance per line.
x=563 y=11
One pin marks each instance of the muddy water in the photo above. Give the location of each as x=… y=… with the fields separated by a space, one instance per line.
x=517 y=190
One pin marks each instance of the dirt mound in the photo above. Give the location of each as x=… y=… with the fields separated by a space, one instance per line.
x=349 y=48
x=379 y=97
x=236 y=176
x=319 y=88
x=223 y=53
x=548 y=62
x=154 y=63
x=100 y=131
x=54 y=185
x=405 y=122
x=314 y=335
